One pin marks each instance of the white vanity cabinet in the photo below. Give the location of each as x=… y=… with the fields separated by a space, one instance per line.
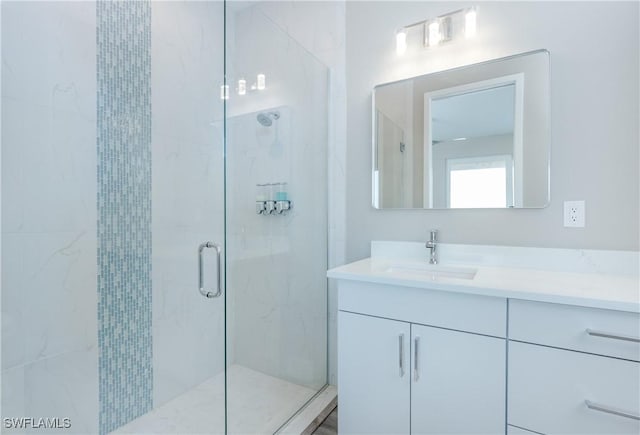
x=409 y=361
x=422 y=350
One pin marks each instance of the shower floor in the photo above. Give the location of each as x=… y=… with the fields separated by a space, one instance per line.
x=258 y=404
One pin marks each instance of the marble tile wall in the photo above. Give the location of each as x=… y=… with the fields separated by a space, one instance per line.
x=49 y=298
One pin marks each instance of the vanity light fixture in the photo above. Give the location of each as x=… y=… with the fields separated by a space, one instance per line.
x=433 y=35
x=259 y=85
x=447 y=27
x=261 y=82
x=401 y=41
x=242 y=87
x=470 y=18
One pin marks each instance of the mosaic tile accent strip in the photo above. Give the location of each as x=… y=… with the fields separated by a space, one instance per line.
x=124 y=211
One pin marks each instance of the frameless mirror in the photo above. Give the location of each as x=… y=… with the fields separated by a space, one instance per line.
x=477 y=136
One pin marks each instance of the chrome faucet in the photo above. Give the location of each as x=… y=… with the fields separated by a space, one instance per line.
x=432 y=244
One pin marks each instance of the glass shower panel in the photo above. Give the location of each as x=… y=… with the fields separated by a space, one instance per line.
x=112 y=179
x=276 y=222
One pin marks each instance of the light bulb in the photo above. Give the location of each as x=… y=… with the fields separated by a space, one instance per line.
x=434 y=33
x=401 y=42
x=261 y=82
x=242 y=87
x=470 y=23
x=224 y=92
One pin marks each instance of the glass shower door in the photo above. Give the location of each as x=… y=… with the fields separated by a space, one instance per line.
x=113 y=310
x=188 y=239
x=276 y=175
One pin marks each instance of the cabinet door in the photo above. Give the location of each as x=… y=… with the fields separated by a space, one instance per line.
x=458 y=382
x=373 y=375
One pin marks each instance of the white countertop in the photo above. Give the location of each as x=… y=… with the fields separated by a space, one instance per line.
x=616 y=292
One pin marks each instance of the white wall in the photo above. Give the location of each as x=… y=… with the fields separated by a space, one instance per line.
x=49 y=298
x=594 y=110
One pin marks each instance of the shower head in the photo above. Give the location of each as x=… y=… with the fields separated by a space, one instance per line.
x=266 y=118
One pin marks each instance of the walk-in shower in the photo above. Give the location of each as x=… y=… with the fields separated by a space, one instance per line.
x=141 y=291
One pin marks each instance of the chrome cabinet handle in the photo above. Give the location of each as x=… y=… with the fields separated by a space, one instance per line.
x=611 y=410
x=401 y=354
x=613 y=336
x=204 y=292
x=416 y=352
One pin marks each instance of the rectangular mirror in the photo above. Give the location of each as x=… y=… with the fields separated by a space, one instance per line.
x=477 y=136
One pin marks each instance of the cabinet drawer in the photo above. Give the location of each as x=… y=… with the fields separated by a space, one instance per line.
x=464 y=312
x=566 y=326
x=548 y=390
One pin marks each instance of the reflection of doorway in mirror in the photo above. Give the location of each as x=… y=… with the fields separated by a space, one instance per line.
x=471 y=124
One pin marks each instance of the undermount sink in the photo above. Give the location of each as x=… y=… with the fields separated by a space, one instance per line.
x=433 y=271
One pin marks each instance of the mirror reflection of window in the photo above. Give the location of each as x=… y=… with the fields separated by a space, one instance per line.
x=482 y=182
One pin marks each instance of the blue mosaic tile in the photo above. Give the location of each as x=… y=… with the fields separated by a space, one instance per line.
x=124 y=211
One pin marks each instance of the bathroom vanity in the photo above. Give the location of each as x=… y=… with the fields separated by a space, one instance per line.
x=486 y=348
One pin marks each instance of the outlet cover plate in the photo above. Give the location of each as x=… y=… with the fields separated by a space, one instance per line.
x=574 y=214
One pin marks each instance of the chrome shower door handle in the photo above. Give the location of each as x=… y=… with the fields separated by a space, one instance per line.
x=218 y=249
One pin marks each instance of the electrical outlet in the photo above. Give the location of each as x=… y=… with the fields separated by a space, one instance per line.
x=574 y=214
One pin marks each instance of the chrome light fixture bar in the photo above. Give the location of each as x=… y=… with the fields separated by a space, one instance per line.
x=448 y=27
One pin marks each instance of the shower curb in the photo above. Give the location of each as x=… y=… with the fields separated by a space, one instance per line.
x=311 y=416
